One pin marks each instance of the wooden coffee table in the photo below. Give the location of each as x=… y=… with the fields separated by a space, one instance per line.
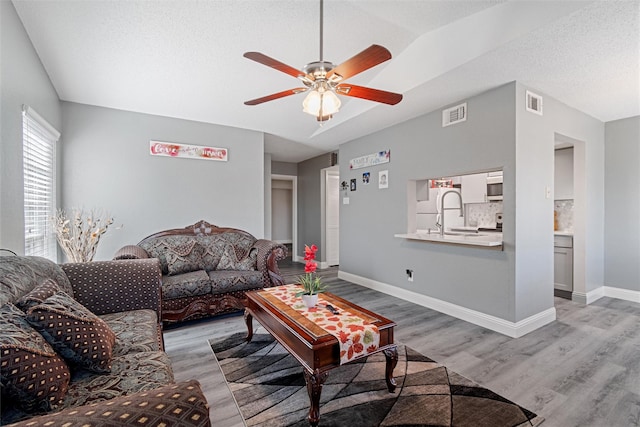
x=317 y=350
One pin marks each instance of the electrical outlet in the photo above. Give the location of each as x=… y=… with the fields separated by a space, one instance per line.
x=409 y=275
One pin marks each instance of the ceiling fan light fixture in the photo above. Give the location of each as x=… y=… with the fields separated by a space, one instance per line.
x=322 y=103
x=324 y=80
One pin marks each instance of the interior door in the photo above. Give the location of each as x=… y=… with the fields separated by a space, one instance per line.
x=332 y=218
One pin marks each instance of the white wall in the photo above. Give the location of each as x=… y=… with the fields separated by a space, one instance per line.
x=107 y=164
x=24 y=81
x=622 y=204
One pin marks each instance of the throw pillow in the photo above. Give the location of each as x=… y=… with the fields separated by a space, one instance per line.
x=181 y=404
x=39 y=294
x=78 y=335
x=32 y=374
x=230 y=260
x=183 y=256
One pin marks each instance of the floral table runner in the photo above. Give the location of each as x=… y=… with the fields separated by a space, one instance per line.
x=357 y=337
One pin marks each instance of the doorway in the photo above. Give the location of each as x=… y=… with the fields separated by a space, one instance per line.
x=570 y=205
x=284 y=213
x=331 y=221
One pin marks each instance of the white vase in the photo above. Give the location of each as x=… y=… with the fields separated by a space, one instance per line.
x=310 y=300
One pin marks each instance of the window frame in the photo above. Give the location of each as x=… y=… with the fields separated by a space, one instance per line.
x=39 y=171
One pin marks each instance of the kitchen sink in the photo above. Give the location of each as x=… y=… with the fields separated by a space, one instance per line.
x=463 y=233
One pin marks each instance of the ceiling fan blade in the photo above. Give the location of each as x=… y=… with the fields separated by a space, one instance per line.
x=273 y=63
x=368 y=58
x=275 y=96
x=376 y=95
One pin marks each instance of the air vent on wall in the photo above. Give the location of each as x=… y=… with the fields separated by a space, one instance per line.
x=534 y=103
x=454 y=115
x=333 y=159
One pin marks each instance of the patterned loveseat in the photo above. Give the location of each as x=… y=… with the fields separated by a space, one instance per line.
x=207 y=269
x=81 y=344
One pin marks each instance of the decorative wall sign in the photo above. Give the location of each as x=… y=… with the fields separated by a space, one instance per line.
x=172 y=149
x=370 y=160
x=383 y=179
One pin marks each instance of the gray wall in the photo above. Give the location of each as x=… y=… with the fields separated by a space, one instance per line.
x=535 y=144
x=478 y=279
x=267 y=196
x=622 y=204
x=107 y=164
x=513 y=284
x=282 y=201
x=24 y=81
x=284 y=168
x=310 y=203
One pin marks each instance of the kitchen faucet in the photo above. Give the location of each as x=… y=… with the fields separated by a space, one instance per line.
x=442 y=208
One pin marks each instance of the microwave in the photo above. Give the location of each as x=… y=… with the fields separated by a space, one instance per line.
x=494 y=187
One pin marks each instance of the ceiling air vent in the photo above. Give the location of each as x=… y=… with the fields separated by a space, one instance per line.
x=454 y=115
x=534 y=103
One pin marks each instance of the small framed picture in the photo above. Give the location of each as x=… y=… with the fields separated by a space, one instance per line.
x=383 y=179
x=366 y=177
x=353 y=184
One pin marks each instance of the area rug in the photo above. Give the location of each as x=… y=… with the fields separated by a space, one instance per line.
x=269 y=387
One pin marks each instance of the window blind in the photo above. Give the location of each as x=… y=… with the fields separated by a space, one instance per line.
x=39 y=168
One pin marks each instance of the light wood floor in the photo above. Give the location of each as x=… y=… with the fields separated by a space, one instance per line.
x=581 y=370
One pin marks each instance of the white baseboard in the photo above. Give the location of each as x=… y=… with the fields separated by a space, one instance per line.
x=606 y=291
x=505 y=327
x=625 y=294
x=589 y=297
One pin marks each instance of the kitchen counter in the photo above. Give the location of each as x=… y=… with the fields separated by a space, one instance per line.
x=563 y=233
x=482 y=240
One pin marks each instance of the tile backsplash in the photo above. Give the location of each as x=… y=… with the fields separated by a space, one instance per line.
x=482 y=214
x=564 y=208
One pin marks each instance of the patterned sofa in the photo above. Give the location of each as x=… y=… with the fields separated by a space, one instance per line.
x=81 y=344
x=207 y=269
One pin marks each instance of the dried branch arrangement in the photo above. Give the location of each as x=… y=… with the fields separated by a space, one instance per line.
x=79 y=233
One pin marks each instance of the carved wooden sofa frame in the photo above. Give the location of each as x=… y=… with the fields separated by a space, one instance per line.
x=218 y=301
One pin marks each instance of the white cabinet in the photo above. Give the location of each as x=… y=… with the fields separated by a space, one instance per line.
x=474 y=188
x=563 y=263
x=563 y=177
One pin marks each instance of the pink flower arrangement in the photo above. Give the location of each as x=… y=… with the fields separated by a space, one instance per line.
x=310 y=282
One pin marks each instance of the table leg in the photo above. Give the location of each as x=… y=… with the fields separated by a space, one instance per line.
x=248 y=318
x=391 y=354
x=314 y=381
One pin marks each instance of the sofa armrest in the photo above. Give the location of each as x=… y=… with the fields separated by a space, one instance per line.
x=181 y=404
x=131 y=252
x=269 y=253
x=114 y=286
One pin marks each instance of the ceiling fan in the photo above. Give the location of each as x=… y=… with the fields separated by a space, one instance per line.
x=323 y=80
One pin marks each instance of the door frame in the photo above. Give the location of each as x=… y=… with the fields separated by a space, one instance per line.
x=294 y=206
x=579 y=293
x=323 y=212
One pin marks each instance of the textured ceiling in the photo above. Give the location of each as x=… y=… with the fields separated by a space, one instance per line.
x=184 y=58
